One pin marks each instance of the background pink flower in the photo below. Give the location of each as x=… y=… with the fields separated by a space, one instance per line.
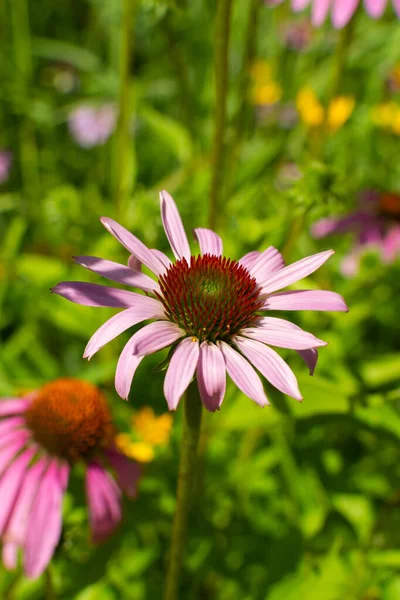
x=5 y=165
x=42 y=436
x=92 y=125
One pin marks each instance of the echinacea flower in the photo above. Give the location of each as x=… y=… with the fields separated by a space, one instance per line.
x=43 y=435
x=5 y=165
x=209 y=309
x=92 y=125
x=147 y=434
x=341 y=10
x=376 y=224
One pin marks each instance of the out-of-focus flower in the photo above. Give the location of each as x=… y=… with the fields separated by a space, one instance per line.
x=5 y=165
x=265 y=91
x=339 y=111
x=209 y=309
x=148 y=432
x=341 y=10
x=61 y=76
x=297 y=35
x=376 y=224
x=43 y=435
x=313 y=114
x=92 y=125
x=387 y=116
x=393 y=80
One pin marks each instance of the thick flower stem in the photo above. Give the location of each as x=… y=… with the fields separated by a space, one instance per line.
x=223 y=20
x=187 y=469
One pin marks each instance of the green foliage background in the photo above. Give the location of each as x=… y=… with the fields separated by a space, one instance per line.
x=293 y=501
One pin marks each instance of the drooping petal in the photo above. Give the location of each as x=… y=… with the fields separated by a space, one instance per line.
x=243 y=375
x=92 y=294
x=127 y=471
x=211 y=376
x=320 y=11
x=305 y=300
x=104 y=500
x=181 y=370
x=10 y=483
x=10 y=444
x=156 y=336
x=134 y=263
x=173 y=226
x=283 y=338
x=310 y=357
x=147 y=308
x=209 y=241
x=44 y=522
x=163 y=258
x=126 y=367
x=294 y=272
x=10 y=424
x=134 y=245
x=396 y=5
x=271 y=365
x=352 y=222
x=342 y=11
x=269 y=262
x=13 y=406
x=116 y=272
x=249 y=259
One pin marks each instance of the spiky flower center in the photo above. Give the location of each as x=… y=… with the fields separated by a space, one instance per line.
x=389 y=205
x=70 y=418
x=211 y=298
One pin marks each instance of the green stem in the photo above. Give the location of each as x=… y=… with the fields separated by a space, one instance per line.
x=187 y=469
x=124 y=146
x=339 y=59
x=223 y=19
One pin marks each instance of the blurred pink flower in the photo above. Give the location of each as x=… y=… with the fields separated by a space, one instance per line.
x=5 y=165
x=42 y=435
x=376 y=223
x=92 y=125
x=341 y=10
x=209 y=308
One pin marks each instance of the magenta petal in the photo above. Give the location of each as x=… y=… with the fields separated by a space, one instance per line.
x=375 y=8
x=134 y=245
x=120 y=273
x=210 y=242
x=10 y=424
x=249 y=259
x=320 y=11
x=295 y=339
x=391 y=244
x=13 y=406
x=156 y=336
x=173 y=226
x=299 y=5
x=92 y=294
x=211 y=377
x=10 y=444
x=104 y=500
x=134 y=263
x=310 y=357
x=45 y=522
x=342 y=11
x=181 y=370
x=147 y=308
x=10 y=483
x=306 y=300
x=396 y=5
x=269 y=262
x=271 y=365
x=127 y=471
x=294 y=272
x=126 y=367
x=243 y=375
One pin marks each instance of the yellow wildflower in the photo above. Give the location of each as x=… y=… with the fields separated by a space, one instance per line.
x=383 y=115
x=139 y=451
x=339 y=111
x=152 y=429
x=261 y=72
x=310 y=109
x=396 y=122
x=267 y=94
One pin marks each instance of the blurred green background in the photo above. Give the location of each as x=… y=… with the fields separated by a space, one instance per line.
x=103 y=103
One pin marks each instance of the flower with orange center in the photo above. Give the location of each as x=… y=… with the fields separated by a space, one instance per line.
x=42 y=435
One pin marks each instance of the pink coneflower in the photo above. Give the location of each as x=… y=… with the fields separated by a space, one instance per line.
x=376 y=223
x=5 y=165
x=209 y=309
x=42 y=435
x=92 y=125
x=340 y=10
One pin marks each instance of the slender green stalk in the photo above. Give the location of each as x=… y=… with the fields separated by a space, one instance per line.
x=339 y=59
x=187 y=469
x=223 y=19
x=124 y=145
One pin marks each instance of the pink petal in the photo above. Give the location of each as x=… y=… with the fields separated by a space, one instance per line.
x=181 y=370
x=10 y=424
x=163 y=258
x=13 y=406
x=156 y=336
x=116 y=272
x=210 y=242
x=45 y=522
x=298 y=5
x=104 y=500
x=10 y=483
x=283 y=338
x=310 y=357
x=92 y=294
x=375 y=8
x=10 y=444
x=391 y=244
x=269 y=262
x=147 y=308
x=306 y=300
x=352 y=222
x=249 y=259
x=134 y=263
x=396 y=5
x=126 y=367
x=271 y=365
x=342 y=12
x=134 y=245
x=294 y=272
x=243 y=375
x=127 y=471
x=320 y=11
x=173 y=227
x=211 y=377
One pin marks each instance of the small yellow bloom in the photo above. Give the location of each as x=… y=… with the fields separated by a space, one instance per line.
x=267 y=94
x=261 y=72
x=139 y=451
x=150 y=428
x=396 y=122
x=310 y=109
x=339 y=111
x=383 y=115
